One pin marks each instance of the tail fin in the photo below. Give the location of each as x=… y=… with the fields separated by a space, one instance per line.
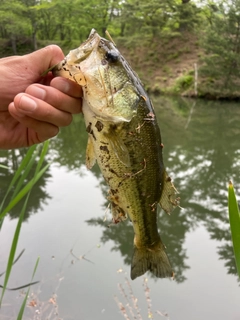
x=151 y=259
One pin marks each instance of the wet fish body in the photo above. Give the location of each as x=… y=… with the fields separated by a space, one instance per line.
x=124 y=139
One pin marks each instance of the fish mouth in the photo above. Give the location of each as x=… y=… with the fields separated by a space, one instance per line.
x=92 y=33
x=85 y=49
x=76 y=56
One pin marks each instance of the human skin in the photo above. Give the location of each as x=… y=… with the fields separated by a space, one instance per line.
x=33 y=107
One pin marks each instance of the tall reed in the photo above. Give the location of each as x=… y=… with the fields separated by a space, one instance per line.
x=16 y=191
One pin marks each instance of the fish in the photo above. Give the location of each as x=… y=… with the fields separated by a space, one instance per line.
x=124 y=139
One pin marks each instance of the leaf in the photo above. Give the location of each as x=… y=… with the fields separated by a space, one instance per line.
x=234 y=219
x=48 y=70
x=21 y=287
x=23 y=192
x=20 y=314
x=18 y=257
x=26 y=190
x=17 y=174
x=13 y=248
x=4 y=167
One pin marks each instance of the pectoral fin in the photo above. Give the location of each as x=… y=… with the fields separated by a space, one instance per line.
x=119 y=148
x=169 y=199
x=90 y=154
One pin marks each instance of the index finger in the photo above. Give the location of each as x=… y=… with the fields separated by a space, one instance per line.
x=67 y=86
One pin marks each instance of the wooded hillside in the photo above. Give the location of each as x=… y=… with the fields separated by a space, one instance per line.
x=176 y=46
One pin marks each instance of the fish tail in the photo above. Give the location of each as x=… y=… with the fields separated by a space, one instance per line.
x=151 y=259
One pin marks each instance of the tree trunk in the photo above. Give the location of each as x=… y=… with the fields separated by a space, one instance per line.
x=34 y=35
x=14 y=44
x=34 y=41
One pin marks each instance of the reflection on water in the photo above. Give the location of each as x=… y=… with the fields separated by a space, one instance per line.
x=12 y=160
x=201 y=153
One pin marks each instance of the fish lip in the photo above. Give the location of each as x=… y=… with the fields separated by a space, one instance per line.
x=92 y=33
x=100 y=41
x=76 y=56
x=93 y=36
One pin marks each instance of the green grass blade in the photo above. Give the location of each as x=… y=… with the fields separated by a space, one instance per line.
x=30 y=165
x=4 y=167
x=24 y=174
x=43 y=154
x=23 y=192
x=18 y=257
x=13 y=249
x=20 y=314
x=26 y=190
x=26 y=163
x=21 y=287
x=234 y=218
x=17 y=174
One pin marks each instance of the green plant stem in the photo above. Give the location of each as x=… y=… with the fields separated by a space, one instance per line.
x=234 y=219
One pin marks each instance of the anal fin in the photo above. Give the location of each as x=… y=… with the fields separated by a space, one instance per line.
x=169 y=199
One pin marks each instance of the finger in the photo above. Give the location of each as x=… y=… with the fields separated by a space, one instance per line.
x=43 y=130
x=56 y=98
x=67 y=86
x=26 y=105
x=20 y=71
x=44 y=59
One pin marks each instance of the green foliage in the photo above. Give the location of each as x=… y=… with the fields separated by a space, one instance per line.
x=21 y=190
x=135 y=25
x=157 y=18
x=234 y=219
x=54 y=20
x=68 y=20
x=183 y=83
x=222 y=45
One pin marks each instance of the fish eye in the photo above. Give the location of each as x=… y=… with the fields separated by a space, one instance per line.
x=112 y=56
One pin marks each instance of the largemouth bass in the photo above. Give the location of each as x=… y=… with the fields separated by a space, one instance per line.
x=124 y=138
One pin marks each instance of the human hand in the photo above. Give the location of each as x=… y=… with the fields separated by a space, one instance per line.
x=33 y=107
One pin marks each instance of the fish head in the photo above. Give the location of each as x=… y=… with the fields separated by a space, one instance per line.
x=105 y=77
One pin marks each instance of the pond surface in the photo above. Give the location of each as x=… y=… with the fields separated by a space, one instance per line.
x=84 y=268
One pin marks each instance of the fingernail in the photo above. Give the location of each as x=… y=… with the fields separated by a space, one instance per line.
x=62 y=85
x=37 y=92
x=27 y=105
x=55 y=131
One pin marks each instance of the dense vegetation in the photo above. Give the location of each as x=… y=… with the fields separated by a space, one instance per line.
x=174 y=38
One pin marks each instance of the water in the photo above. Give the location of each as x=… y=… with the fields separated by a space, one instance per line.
x=84 y=265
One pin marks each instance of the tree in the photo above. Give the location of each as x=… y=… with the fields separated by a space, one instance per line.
x=12 y=22
x=222 y=45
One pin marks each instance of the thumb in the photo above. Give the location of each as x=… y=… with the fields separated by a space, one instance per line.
x=41 y=60
x=18 y=72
